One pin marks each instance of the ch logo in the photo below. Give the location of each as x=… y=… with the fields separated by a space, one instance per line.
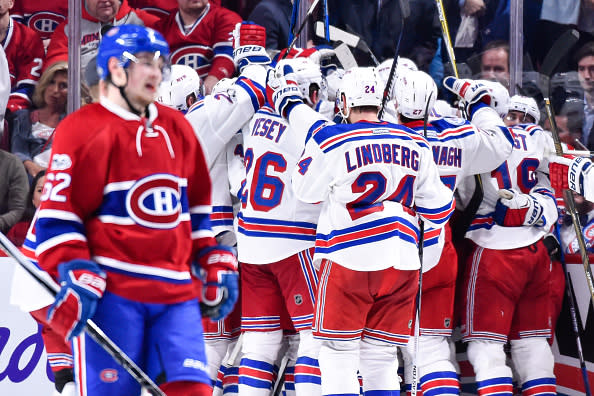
x=194 y=56
x=155 y=201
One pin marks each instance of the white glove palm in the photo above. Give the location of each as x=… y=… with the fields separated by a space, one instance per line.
x=515 y=209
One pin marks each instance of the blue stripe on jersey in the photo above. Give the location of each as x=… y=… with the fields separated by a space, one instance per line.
x=508 y=134
x=316 y=126
x=48 y=228
x=438 y=215
x=269 y=228
x=365 y=233
x=200 y=221
x=255 y=91
x=223 y=49
x=114 y=203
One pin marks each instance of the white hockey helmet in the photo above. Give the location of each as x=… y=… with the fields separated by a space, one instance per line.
x=223 y=86
x=383 y=69
x=307 y=73
x=526 y=105
x=411 y=91
x=182 y=84
x=499 y=96
x=360 y=86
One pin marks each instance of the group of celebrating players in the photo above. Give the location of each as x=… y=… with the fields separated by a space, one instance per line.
x=339 y=218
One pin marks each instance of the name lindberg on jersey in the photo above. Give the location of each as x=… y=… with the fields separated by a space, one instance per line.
x=370 y=154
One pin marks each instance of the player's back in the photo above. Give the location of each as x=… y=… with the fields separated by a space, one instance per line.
x=525 y=170
x=370 y=177
x=273 y=223
x=460 y=149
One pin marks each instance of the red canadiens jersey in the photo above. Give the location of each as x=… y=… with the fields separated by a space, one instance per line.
x=24 y=52
x=41 y=16
x=208 y=46
x=132 y=195
x=159 y=8
x=90 y=29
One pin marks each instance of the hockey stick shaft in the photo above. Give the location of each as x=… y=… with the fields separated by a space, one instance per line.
x=558 y=51
x=575 y=326
x=404 y=12
x=446 y=35
x=92 y=329
x=417 y=330
x=303 y=23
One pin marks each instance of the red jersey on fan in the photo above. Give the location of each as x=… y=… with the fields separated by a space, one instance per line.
x=24 y=53
x=206 y=45
x=41 y=16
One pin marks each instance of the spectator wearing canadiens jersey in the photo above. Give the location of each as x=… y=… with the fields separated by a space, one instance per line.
x=97 y=15
x=373 y=179
x=160 y=8
x=41 y=16
x=24 y=53
x=96 y=221
x=200 y=36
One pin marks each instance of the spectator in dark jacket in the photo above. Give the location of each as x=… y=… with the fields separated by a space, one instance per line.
x=275 y=16
x=14 y=186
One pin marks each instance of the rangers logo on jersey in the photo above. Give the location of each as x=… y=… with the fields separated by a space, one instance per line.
x=155 y=201
x=45 y=23
x=195 y=56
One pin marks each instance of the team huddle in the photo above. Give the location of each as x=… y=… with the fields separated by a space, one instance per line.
x=278 y=234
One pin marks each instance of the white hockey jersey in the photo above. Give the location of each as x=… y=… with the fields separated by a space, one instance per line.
x=462 y=149
x=373 y=178
x=272 y=223
x=216 y=118
x=526 y=170
x=227 y=174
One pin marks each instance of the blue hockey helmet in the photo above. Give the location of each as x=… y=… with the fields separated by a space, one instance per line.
x=123 y=41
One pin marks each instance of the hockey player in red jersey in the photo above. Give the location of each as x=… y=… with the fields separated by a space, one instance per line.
x=24 y=53
x=373 y=178
x=97 y=16
x=200 y=36
x=508 y=276
x=460 y=149
x=130 y=243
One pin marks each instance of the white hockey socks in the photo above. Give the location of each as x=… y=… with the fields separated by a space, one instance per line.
x=379 y=368
x=488 y=361
x=534 y=363
x=339 y=361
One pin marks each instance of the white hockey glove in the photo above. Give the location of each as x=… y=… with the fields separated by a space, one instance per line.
x=333 y=81
x=514 y=209
x=249 y=41
x=568 y=173
x=470 y=91
x=282 y=90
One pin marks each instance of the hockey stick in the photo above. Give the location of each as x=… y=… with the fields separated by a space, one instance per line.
x=349 y=38
x=345 y=56
x=309 y=12
x=575 y=327
x=363 y=45
x=92 y=329
x=560 y=48
x=294 y=13
x=446 y=35
x=417 y=330
x=404 y=13
x=478 y=193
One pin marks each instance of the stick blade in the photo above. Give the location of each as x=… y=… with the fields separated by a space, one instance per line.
x=337 y=34
x=345 y=56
